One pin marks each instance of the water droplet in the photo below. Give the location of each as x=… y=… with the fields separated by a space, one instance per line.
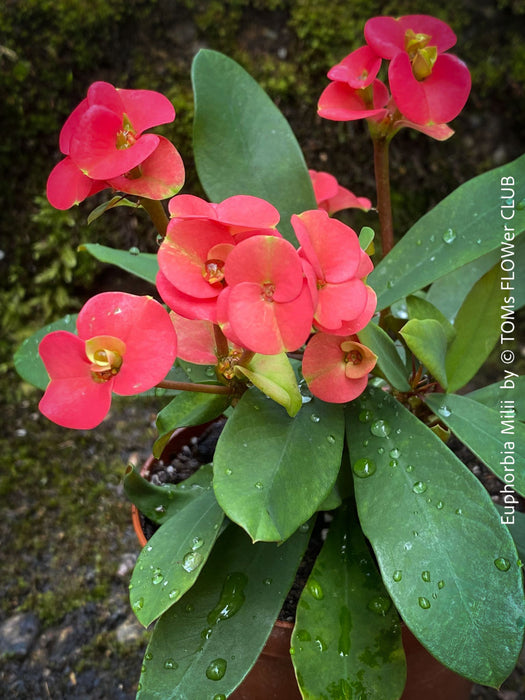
x=397 y=575
x=149 y=548
x=267 y=581
x=398 y=431
x=365 y=416
x=409 y=468
x=459 y=511
x=306 y=394
x=395 y=453
x=432 y=238
x=449 y=236
x=419 y=487
x=445 y=411
x=231 y=600
x=134 y=250
x=520 y=205
x=439 y=505
x=380 y=428
x=314 y=418
x=432 y=258
x=502 y=564
x=365 y=443
x=407 y=546
x=425 y=575
x=191 y=561
x=209 y=372
x=219 y=696
x=418 y=242
x=315 y=589
x=173 y=594
x=320 y=644
x=292 y=651
x=330 y=439
x=138 y=604
x=216 y=669
x=380 y=605
x=441 y=584
x=259 y=485
x=148 y=656
x=390 y=284
x=171 y=665
x=157 y=577
x=478 y=241
x=380 y=450
x=206 y=633
x=304 y=527
x=160 y=509
x=424 y=603
x=393 y=463
x=197 y=543
x=364 y=467
x=303 y=635
x=189 y=608
x=228 y=471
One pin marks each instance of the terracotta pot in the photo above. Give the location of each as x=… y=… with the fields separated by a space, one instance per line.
x=273 y=676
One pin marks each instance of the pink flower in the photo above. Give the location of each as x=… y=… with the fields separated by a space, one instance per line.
x=267 y=306
x=428 y=86
x=335 y=368
x=342 y=296
x=358 y=69
x=105 y=146
x=331 y=197
x=125 y=344
x=341 y=102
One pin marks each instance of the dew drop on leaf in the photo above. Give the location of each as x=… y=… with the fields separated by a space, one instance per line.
x=502 y=564
x=424 y=603
x=216 y=669
x=171 y=665
x=364 y=467
x=419 y=487
x=397 y=575
x=449 y=236
x=380 y=428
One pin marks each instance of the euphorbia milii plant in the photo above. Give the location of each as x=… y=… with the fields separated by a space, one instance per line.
x=336 y=358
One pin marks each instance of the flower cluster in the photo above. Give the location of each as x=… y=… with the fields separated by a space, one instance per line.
x=428 y=87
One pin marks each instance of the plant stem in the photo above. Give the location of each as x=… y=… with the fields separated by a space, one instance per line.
x=189 y=386
x=221 y=342
x=384 y=206
x=157 y=214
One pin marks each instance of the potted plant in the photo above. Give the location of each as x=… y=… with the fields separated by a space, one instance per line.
x=339 y=379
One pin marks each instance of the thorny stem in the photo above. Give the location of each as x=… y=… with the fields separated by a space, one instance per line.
x=188 y=386
x=157 y=214
x=221 y=342
x=384 y=206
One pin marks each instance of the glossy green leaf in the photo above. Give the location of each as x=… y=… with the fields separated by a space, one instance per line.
x=242 y=143
x=187 y=408
x=388 y=359
x=27 y=360
x=171 y=561
x=275 y=377
x=507 y=389
x=428 y=342
x=347 y=636
x=421 y=309
x=477 y=326
x=472 y=213
x=117 y=201
x=447 y=562
x=271 y=472
x=205 y=644
x=495 y=436
x=143 y=265
x=366 y=237
x=159 y=503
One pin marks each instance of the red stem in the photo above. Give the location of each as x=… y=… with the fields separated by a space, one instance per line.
x=384 y=206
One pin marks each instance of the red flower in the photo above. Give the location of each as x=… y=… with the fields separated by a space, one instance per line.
x=331 y=197
x=428 y=86
x=267 y=306
x=125 y=344
x=341 y=102
x=341 y=294
x=335 y=368
x=105 y=146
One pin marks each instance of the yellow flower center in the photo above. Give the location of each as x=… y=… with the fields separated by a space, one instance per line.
x=106 y=354
x=126 y=136
x=422 y=56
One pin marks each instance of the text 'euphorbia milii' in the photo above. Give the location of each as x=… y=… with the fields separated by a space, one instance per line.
x=125 y=344
x=335 y=368
x=105 y=146
x=428 y=85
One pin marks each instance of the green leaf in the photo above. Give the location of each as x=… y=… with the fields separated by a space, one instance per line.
x=422 y=309
x=117 y=201
x=170 y=563
x=143 y=265
x=495 y=436
x=438 y=541
x=513 y=391
x=159 y=503
x=274 y=376
x=271 y=472
x=388 y=360
x=366 y=237
x=478 y=327
x=428 y=342
x=205 y=644
x=242 y=142
x=347 y=635
x=27 y=361
x=515 y=520
x=187 y=408
x=473 y=214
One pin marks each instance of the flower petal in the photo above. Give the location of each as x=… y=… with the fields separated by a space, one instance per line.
x=146 y=108
x=340 y=102
x=67 y=185
x=185 y=305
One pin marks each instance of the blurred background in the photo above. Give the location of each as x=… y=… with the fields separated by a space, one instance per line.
x=68 y=547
